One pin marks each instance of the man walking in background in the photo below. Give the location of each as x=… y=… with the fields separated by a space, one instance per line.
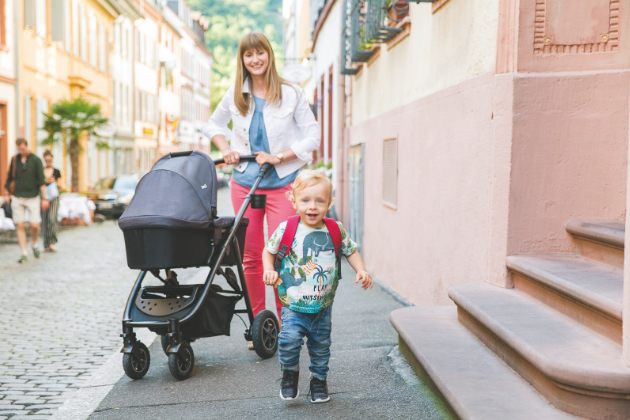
x=25 y=183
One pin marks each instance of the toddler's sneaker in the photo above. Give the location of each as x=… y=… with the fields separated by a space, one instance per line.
x=289 y=386
x=319 y=391
x=36 y=252
x=23 y=259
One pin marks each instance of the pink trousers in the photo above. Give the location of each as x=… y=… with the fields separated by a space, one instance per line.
x=278 y=210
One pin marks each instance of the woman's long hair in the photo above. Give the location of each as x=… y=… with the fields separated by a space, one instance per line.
x=256 y=41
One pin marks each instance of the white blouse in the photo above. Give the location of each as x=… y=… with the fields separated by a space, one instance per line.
x=290 y=123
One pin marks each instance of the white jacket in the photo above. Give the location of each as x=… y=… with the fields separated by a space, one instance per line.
x=290 y=123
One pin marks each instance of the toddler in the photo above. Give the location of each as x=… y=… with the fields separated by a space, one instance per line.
x=307 y=278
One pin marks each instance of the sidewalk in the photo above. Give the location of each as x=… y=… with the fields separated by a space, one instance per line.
x=230 y=381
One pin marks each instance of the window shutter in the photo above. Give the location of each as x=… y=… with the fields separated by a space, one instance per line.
x=75 y=27
x=137 y=104
x=390 y=172
x=93 y=40
x=101 y=47
x=40 y=18
x=83 y=29
x=29 y=13
x=27 y=117
x=58 y=20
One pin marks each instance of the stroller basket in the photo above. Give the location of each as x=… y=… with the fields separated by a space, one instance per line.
x=158 y=248
x=213 y=318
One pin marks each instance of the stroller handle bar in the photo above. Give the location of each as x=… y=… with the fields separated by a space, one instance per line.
x=244 y=158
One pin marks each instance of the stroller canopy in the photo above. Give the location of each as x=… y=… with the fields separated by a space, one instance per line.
x=178 y=192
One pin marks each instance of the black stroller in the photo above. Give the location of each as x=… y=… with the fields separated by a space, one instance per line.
x=172 y=223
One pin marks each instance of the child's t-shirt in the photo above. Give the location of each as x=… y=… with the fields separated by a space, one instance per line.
x=308 y=275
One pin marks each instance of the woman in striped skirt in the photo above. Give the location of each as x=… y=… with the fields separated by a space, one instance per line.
x=49 y=217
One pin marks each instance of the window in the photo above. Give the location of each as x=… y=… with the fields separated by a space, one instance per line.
x=137 y=97
x=40 y=18
x=35 y=16
x=143 y=97
x=101 y=48
x=27 y=118
x=29 y=13
x=150 y=50
x=124 y=42
x=93 y=39
x=75 y=27
x=137 y=52
x=83 y=32
x=390 y=172
x=125 y=106
x=58 y=20
x=117 y=38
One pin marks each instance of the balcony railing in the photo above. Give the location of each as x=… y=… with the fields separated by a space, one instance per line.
x=365 y=23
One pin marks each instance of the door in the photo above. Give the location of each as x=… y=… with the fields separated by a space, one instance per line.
x=355 y=163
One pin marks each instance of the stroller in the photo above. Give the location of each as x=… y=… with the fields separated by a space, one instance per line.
x=172 y=223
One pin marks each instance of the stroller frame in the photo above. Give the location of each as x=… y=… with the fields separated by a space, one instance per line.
x=263 y=329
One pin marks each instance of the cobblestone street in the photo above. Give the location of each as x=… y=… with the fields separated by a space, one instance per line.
x=61 y=315
x=60 y=318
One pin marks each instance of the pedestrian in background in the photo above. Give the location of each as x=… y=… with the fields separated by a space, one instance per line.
x=272 y=119
x=24 y=185
x=52 y=177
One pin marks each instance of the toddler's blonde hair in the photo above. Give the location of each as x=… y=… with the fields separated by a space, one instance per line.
x=309 y=177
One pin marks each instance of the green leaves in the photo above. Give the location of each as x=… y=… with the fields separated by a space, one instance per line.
x=72 y=117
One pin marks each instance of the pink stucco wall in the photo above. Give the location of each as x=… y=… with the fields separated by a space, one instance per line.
x=569 y=154
x=488 y=168
x=438 y=235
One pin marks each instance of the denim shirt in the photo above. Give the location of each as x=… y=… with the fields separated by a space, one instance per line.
x=260 y=143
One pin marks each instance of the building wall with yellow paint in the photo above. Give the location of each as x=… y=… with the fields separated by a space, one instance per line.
x=64 y=54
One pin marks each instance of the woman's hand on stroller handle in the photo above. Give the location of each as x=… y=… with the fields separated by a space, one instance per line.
x=230 y=157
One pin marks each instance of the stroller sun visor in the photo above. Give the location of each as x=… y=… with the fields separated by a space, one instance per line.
x=178 y=192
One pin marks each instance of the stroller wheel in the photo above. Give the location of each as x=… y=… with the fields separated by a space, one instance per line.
x=136 y=364
x=164 y=341
x=181 y=363
x=265 y=334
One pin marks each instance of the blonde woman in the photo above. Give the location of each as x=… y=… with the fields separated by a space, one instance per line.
x=272 y=119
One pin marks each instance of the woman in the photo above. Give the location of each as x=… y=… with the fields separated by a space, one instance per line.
x=267 y=114
x=49 y=217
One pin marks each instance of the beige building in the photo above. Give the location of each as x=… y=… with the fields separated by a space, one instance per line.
x=64 y=47
x=8 y=84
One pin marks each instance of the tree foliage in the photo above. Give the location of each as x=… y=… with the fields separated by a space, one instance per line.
x=229 y=21
x=67 y=122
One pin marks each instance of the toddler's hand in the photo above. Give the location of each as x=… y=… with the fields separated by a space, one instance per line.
x=365 y=278
x=270 y=277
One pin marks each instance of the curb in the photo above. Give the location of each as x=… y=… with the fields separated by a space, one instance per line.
x=88 y=397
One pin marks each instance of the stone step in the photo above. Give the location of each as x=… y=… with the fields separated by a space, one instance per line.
x=576 y=369
x=599 y=240
x=470 y=377
x=587 y=291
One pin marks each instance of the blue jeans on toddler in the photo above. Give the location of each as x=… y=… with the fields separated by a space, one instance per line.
x=316 y=328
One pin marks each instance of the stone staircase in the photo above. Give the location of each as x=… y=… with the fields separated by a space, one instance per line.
x=548 y=349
